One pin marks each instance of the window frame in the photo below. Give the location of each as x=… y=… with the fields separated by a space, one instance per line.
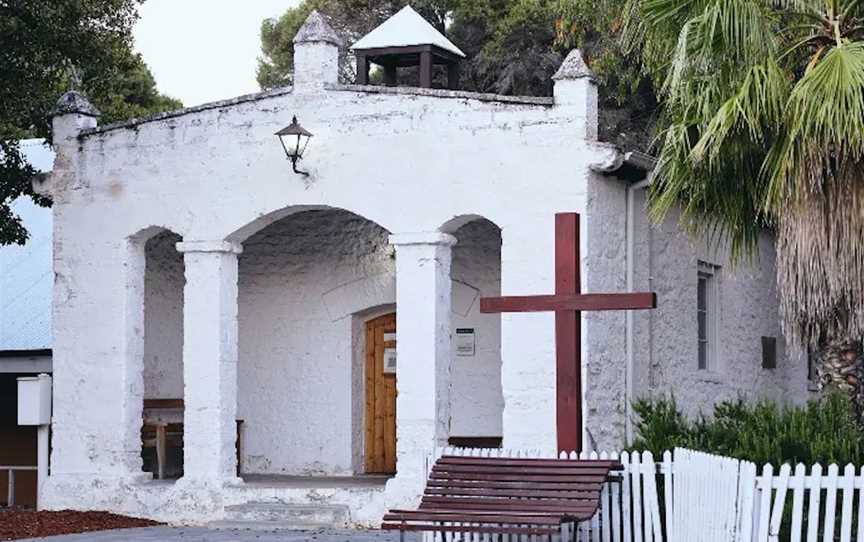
x=709 y=274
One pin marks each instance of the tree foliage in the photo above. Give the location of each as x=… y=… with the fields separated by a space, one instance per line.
x=763 y=125
x=47 y=48
x=512 y=47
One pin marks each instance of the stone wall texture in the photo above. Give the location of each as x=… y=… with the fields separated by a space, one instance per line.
x=665 y=356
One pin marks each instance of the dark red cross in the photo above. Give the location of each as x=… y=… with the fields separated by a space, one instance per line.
x=568 y=304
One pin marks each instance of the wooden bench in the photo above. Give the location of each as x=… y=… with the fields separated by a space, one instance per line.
x=505 y=496
x=163 y=427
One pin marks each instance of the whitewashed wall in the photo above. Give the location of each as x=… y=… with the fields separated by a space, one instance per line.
x=748 y=310
x=476 y=397
x=665 y=339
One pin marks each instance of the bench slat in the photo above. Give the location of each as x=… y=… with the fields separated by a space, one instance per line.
x=469 y=528
x=461 y=517
x=527 y=462
x=557 y=511
x=517 y=477
x=527 y=515
x=513 y=493
x=547 y=471
x=510 y=484
x=434 y=500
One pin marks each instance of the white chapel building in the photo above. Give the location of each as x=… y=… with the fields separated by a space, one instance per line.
x=283 y=337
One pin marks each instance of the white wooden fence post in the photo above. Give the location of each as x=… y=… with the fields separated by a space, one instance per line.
x=779 y=502
x=815 y=497
x=764 y=503
x=848 y=485
x=746 y=499
x=668 y=473
x=798 y=485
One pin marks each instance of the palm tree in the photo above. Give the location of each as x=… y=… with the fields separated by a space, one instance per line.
x=763 y=127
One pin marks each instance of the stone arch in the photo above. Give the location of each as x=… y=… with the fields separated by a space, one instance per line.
x=454 y=223
x=155 y=279
x=264 y=219
x=305 y=273
x=477 y=401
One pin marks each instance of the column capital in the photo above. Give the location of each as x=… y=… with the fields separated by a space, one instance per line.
x=210 y=246
x=423 y=238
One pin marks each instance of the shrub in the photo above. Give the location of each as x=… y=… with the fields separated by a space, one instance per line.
x=822 y=431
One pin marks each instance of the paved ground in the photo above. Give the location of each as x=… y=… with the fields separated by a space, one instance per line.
x=200 y=534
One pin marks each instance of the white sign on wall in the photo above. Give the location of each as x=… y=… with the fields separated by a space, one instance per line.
x=465 y=343
x=389 y=361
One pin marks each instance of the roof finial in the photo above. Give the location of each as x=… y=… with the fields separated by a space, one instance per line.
x=74 y=77
x=573 y=67
x=316 y=28
x=73 y=102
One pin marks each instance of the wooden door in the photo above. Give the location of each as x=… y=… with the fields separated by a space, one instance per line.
x=380 y=395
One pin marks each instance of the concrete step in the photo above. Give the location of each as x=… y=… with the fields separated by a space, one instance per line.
x=265 y=526
x=276 y=516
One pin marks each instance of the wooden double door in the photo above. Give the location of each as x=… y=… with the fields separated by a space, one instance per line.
x=381 y=395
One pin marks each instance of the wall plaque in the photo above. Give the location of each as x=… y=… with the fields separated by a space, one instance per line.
x=465 y=343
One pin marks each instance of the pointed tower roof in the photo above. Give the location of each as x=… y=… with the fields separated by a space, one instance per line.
x=573 y=67
x=316 y=28
x=76 y=103
x=406 y=28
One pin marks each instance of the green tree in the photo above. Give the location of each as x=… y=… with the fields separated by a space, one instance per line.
x=48 y=47
x=511 y=46
x=763 y=126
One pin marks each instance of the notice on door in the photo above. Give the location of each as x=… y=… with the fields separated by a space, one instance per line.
x=389 y=361
x=465 y=343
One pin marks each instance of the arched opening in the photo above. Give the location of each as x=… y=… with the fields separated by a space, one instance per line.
x=308 y=281
x=162 y=429
x=476 y=397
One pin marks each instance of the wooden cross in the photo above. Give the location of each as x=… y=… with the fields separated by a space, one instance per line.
x=568 y=304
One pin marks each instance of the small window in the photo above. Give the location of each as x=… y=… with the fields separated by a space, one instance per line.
x=769 y=352
x=812 y=357
x=706 y=314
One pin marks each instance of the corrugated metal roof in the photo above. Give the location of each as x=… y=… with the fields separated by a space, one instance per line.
x=26 y=272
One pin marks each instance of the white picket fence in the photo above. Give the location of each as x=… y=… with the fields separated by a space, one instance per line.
x=831 y=513
x=708 y=498
x=629 y=509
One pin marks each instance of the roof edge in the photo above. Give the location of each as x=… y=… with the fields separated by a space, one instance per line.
x=133 y=123
x=282 y=91
x=625 y=163
x=444 y=93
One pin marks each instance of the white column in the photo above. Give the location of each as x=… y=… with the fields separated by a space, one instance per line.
x=210 y=361
x=423 y=347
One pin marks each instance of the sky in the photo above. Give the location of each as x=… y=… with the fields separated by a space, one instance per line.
x=204 y=50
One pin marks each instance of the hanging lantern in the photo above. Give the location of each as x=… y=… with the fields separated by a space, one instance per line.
x=294 y=139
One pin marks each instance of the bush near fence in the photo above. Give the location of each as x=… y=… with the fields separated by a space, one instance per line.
x=821 y=431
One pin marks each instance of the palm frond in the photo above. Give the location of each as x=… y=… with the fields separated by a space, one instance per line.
x=816 y=183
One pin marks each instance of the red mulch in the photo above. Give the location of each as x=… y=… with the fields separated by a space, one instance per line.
x=15 y=524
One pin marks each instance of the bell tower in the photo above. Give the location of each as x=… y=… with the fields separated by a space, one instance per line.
x=407 y=39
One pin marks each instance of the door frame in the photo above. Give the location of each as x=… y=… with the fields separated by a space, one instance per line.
x=358 y=381
x=365 y=464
